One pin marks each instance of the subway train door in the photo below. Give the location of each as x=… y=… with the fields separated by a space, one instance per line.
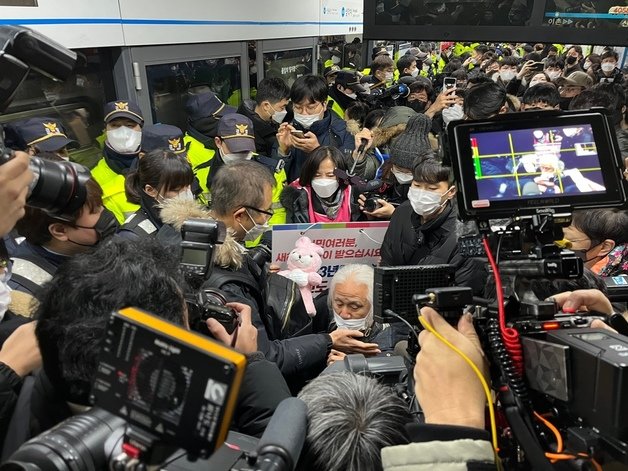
x=163 y=77
x=286 y=58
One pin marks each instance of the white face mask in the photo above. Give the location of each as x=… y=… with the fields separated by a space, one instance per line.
x=254 y=232
x=453 y=113
x=124 y=140
x=587 y=65
x=415 y=72
x=5 y=294
x=185 y=195
x=335 y=60
x=238 y=157
x=553 y=74
x=306 y=120
x=389 y=76
x=350 y=324
x=535 y=82
x=402 y=177
x=507 y=75
x=278 y=116
x=425 y=202
x=608 y=66
x=325 y=187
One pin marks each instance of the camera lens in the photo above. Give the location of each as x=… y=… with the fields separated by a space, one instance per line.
x=59 y=188
x=77 y=443
x=214 y=296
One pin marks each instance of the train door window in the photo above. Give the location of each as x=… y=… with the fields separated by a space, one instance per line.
x=77 y=103
x=288 y=65
x=170 y=86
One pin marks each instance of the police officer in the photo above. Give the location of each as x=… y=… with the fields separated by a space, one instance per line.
x=124 y=121
x=344 y=91
x=235 y=143
x=162 y=173
x=36 y=135
x=204 y=110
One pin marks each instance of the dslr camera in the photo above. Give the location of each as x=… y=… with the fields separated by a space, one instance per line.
x=199 y=237
x=58 y=188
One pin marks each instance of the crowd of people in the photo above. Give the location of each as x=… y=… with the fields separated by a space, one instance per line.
x=299 y=154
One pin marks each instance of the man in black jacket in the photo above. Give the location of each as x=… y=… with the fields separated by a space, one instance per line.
x=267 y=112
x=423 y=230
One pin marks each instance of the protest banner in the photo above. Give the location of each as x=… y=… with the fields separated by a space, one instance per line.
x=342 y=243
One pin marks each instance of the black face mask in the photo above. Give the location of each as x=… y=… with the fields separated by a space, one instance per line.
x=571 y=60
x=565 y=102
x=107 y=224
x=417 y=105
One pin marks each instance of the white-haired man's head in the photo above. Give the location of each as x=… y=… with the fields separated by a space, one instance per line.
x=351 y=297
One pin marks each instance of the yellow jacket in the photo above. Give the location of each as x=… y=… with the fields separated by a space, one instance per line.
x=113 y=194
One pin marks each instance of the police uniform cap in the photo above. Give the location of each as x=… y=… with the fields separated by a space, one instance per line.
x=204 y=105
x=237 y=131
x=47 y=134
x=163 y=136
x=123 y=109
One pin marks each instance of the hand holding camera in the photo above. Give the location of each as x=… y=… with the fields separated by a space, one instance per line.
x=15 y=179
x=244 y=337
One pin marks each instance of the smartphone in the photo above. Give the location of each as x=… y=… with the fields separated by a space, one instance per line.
x=298 y=133
x=449 y=83
x=538 y=66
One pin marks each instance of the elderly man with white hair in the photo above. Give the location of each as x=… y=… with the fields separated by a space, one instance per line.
x=350 y=302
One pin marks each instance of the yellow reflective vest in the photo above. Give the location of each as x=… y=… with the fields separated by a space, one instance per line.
x=113 y=194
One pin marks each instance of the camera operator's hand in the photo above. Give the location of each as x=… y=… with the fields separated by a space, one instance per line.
x=443 y=100
x=284 y=138
x=308 y=143
x=346 y=341
x=363 y=134
x=385 y=210
x=447 y=388
x=525 y=70
x=334 y=356
x=20 y=351
x=15 y=177
x=583 y=300
x=245 y=335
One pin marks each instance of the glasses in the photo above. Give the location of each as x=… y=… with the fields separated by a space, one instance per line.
x=270 y=213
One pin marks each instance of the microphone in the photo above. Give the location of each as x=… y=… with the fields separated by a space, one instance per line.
x=282 y=441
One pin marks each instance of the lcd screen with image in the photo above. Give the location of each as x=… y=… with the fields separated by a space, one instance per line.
x=533 y=163
x=594 y=14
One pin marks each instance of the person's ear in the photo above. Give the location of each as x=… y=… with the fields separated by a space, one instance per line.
x=218 y=142
x=239 y=214
x=452 y=192
x=504 y=109
x=607 y=246
x=58 y=231
x=150 y=191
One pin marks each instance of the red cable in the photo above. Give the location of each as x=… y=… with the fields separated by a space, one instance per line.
x=510 y=336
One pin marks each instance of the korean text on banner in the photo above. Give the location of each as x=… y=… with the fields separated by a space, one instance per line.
x=343 y=244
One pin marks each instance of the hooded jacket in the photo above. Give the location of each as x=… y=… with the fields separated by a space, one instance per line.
x=408 y=242
x=265 y=131
x=293 y=355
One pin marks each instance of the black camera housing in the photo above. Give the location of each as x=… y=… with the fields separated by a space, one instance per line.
x=210 y=303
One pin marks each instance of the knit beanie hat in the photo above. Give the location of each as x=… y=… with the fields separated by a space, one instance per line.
x=412 y=142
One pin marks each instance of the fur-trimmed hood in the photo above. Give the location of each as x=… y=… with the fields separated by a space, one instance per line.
x=174 y=212
x=382 y=136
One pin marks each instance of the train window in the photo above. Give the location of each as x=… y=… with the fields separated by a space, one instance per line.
x=170 y=85
x=288 y=65
x=77 y=102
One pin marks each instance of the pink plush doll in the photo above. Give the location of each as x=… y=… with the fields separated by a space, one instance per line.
x=303 y=264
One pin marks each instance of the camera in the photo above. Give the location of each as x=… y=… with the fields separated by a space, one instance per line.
x=210 y=303
x=58 y=188
x=371 y=203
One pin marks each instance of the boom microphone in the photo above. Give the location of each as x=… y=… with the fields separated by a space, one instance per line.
x=282 y=441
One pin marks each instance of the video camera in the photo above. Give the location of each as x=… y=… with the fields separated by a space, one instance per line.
x=164 y=396
x=385 y=97
x=58 y=188
x=535 y=168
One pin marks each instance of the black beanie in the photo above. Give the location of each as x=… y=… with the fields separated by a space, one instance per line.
x=412 y=142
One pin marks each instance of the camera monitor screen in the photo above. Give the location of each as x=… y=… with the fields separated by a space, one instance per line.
x=528 y=164
x=607 y=14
